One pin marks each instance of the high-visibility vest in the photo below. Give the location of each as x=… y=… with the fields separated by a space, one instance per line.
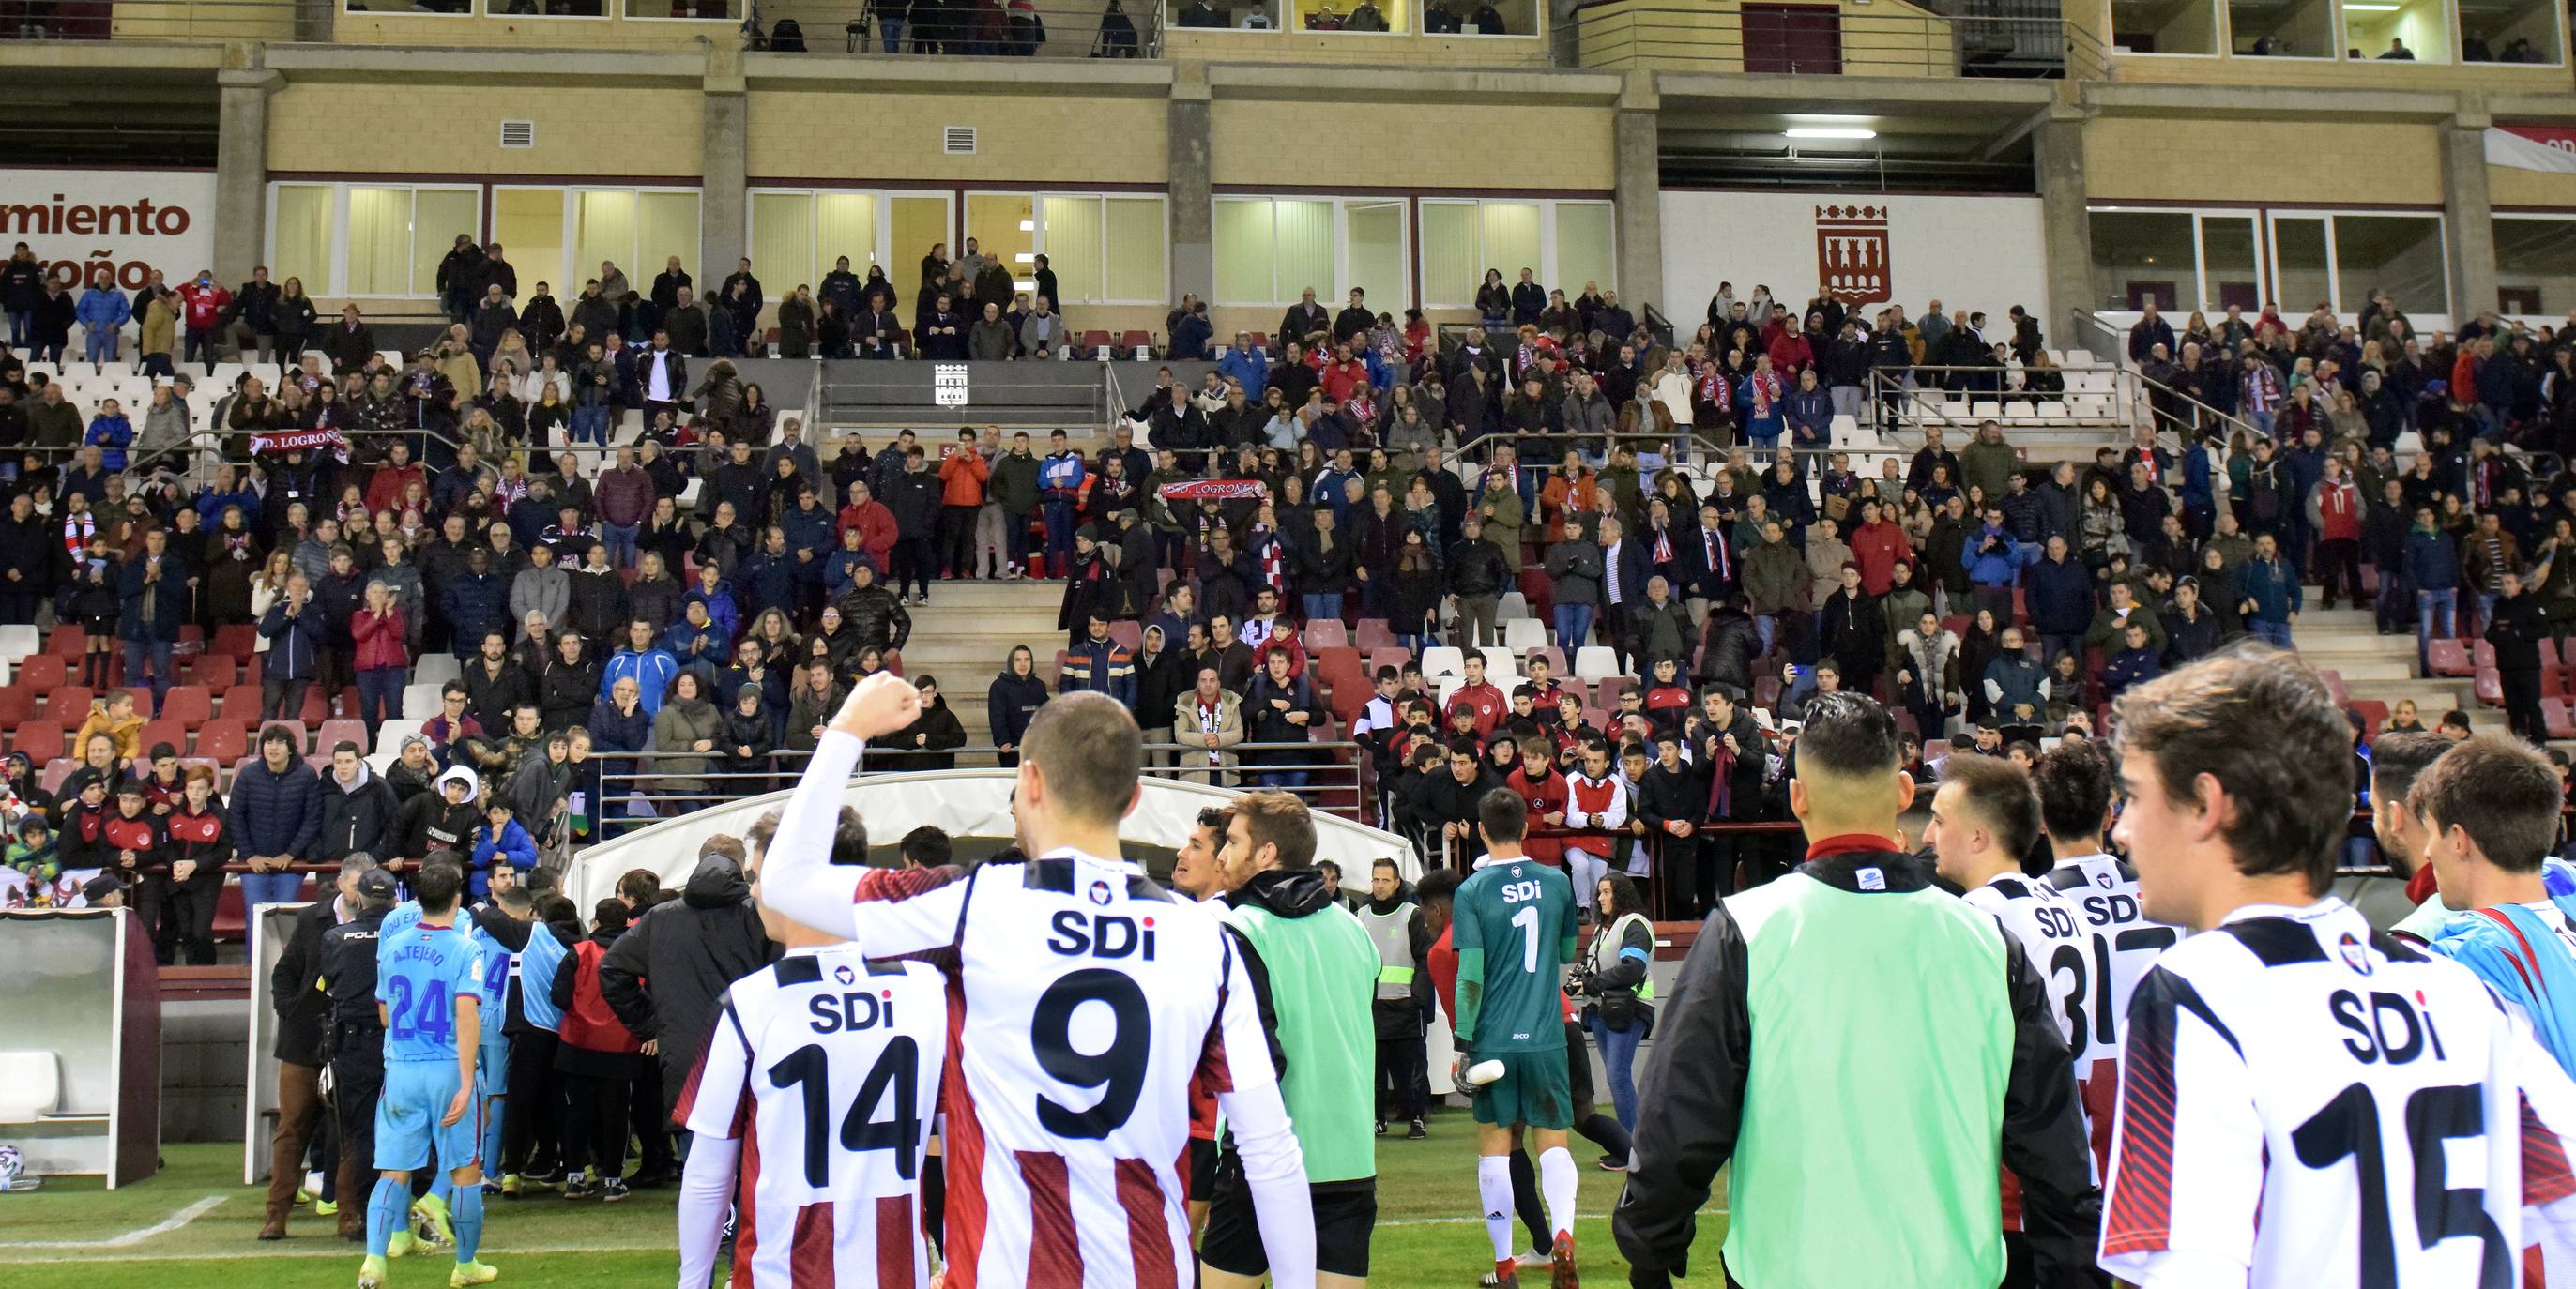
x=1392 y=932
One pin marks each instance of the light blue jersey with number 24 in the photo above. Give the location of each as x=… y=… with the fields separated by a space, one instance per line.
x=420 y=971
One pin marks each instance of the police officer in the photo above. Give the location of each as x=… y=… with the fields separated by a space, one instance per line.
x=1403 y=1002
x=353 y=1037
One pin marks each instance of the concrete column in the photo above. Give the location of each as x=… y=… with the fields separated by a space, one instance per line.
x=1638 y=176
x=722 y=213
x=2066 y=228
x=241 y=164
x=1193 y=208
x=2467 y=217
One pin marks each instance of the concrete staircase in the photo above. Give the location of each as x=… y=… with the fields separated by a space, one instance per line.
x=965 y=635
x=2374 y=666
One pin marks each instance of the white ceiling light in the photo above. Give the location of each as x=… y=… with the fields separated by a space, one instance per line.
x=2371 y=8
x=1830 y=132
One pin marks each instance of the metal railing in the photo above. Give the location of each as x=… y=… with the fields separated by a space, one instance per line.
x=837 y=27
x=1726 y=37
x=639 y=788
x=196 y=21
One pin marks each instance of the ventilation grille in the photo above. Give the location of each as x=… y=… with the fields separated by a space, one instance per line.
x=958 y=141
x=518 y=134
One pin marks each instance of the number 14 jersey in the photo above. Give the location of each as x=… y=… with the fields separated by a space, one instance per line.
x=831 y=1066
x=2306 y=1102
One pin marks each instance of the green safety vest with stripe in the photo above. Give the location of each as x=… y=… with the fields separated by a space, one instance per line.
x=1392 y=932
x=1612 y=939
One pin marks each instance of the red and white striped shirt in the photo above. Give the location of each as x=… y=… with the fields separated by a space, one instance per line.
x=1084 y=998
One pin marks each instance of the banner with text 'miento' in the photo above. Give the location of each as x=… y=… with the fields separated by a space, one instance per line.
x=122 y=222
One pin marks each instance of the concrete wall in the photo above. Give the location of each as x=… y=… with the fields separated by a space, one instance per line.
x=1048 y=138
x=2239 y=159
x=1469 y=145
x=585 y=127
x=1977 y=253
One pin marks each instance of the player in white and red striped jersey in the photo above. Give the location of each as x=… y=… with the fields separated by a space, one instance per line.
x=830 y=1066
x=1084 y=999
x=2090 y=990
x=2304 y=1101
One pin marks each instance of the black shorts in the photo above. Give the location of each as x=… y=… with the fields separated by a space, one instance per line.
x=1345 y=1217
x=1202 y=1177
x=1578 y=1064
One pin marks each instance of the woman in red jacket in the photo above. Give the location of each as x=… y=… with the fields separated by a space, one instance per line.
x=384 y=664
x=600 y=1060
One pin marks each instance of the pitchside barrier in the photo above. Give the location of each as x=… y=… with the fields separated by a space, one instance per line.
x=80 y=1064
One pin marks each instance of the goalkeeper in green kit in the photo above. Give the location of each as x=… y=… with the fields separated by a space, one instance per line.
x=1512 y=924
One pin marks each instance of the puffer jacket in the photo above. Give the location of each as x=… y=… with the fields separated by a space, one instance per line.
x=689 y=950
x=875 y=617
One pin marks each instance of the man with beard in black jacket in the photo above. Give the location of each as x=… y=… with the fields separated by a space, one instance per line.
x=1393 y=918
x=666 y=977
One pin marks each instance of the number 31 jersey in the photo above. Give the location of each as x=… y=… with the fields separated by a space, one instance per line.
x=2306 y=1102
x=831 y=1066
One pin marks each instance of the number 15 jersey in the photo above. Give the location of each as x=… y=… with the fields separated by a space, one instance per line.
x=831 y=1066
x=2306 y=1102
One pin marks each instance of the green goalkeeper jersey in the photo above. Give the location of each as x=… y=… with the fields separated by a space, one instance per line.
x=1513 y=925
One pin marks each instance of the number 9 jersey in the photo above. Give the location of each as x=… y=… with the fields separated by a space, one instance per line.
x=2304 y=1101
x=831 y=1065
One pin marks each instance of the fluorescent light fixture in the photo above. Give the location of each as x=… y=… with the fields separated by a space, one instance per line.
x=2372 y=8
x=1830 y=132
x=1031 y=225
x=1024 y=257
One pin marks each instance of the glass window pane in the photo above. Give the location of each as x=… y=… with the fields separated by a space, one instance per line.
x=2535 y=264
x=1072 y=248
x=1583 y=247
x=1136 y=240
x=437 y=216
x=300 y=241
x=380 y=241
x=919 y=224
x=2399 y=254
x=1243 y=250
x=528 y=223
x=603 y=229
x=1375 y=230
x=2229 y=274
x=2299 y=278
x=782 y=240
x=666 y=224
x=845 y=223
x=1305 y=255
x=2142 y=255
x=1511 y=239
x=1003 y=226
x=1451 y=262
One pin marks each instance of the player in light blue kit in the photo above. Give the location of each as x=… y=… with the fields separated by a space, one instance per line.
x=429 y=988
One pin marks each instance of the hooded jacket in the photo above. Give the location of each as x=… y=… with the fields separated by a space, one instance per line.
x=427 y=823
x=355 y=816
x=666 y=977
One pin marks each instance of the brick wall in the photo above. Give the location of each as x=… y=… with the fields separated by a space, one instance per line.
x=593 y=127
x=1468 y=145
x=2199 y=159
x=1020 y=138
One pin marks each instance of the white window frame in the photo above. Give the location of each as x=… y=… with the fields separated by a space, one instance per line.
x=2222 y=34
x=1547 y=258
x=569 y=285
x=2267 y=252
x=340 y=188
x=1339 y=287
x=1023 y=275
x=881 y=254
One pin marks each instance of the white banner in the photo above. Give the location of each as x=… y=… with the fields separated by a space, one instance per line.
x=127 y=221
x=2523 y=152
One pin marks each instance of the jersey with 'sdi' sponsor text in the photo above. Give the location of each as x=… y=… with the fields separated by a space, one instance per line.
x=2089 y=985
x=1513 y=922
x=831 y=1067
x=2307 y=1102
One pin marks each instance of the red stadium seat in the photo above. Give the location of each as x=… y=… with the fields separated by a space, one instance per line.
x=17 y=705
x=1373 y=635
x=165 y=730
x=2373 y=714
x=67 y=642
x=239 y=639
x=333 y=732
x=212 y=671
x=1325 y=633
x=2449 y=658
x=223 y=740
x=42 y=673
x=2489 y=687
x=2481 y=654
x=2556 y=720
x=241 y=705
x=192 y=705
x=42 y=741
x=69 y=704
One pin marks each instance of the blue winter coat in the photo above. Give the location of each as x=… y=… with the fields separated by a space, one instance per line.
x=476 y=605
x=2060 y=596
x=652 y=671
x=1991 y=567
x=2432 y=560
x=103 y=310
x=2273 y=586
x=276 y=814
x=112 y=435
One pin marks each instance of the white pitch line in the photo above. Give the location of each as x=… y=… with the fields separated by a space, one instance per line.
x=131 y=1238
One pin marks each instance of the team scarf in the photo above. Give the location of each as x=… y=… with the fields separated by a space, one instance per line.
x=1663 y=553
x=1216 y=490
x=1209 y=714
x=77 y=530
x=302 y=441
x=1765 y=392
x=1271 y=555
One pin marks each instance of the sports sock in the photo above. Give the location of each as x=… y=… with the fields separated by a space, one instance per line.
x=492 y=1135
x=1603 y=1131
x=1494 y=1191
x=445 y=1189
x=388 y=1211
x=468 y=1220
x=1525 y=1200
x=1556 y=1177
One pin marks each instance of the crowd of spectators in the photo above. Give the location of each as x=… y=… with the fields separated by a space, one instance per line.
x=707 y=590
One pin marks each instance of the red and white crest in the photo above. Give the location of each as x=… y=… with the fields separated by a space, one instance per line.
x=1851 y=253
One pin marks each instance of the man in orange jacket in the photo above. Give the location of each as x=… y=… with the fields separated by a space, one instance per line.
x=962 y=472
